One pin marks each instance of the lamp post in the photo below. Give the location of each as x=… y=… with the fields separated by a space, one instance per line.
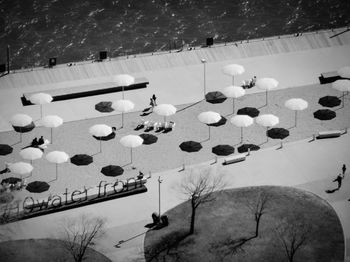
x=204 y=74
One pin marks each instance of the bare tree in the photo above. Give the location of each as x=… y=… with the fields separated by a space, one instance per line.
x=293 y=237
x=79 y=233
x=199 y=187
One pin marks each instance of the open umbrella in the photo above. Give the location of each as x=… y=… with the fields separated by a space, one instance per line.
x=5 y=149
x=296 y=104
x=249 y=111
x=234 y=92
x=266 y=84
x=221 y=122
x=21 y=168
x=215 y=97
x=57 y=157
x=324 y=114
x=22 y=123
x=208 y=118
x=342 y=85
x=51 y=121
x=233 y=70
x=31 y=153
x=223 y=150
x=40 y=99
x=149 y=139
x=81 y=160
x=242 y=121
x=329 y=101
x=37 y=187
x=112 y=170
x=165 y=110
x=190 y=147
x=245 y=147
x=131 y=141
x=278 y=133
x=104 y=107
x=123 y=80
x=99 y=131
x=344 y=72
x=267 y=120
x=123 y=106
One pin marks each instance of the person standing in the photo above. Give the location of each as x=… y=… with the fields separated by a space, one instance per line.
x=154 y=99
x=343 y=169
x=339 y=180
x=151 y=103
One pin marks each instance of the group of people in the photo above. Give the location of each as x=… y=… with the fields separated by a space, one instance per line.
x=153 y=101
x=37 y=142
x=249 y=83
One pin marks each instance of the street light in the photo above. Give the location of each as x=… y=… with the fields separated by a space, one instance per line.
x=204 y=87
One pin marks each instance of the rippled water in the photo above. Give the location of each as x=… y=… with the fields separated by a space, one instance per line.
x=74 y=30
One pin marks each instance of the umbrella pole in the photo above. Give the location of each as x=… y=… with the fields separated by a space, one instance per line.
x=233 y=80
x=20 y=134
x=122 y=119
x=164 y=119
x=241 y=134
x=233 y=105
x=100 y=146
x=209 y=132
x=51 y=136
x=267 y=137
x=41 y=111
x=343 y=99
x=56 y=171
x=295 y=118
x=123 y=92
x=266 y=98
x=131 y=155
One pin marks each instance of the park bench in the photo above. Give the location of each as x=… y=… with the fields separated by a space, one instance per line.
x=329 y=77
x=234 y=159
x=328 y=134
x=85 y=90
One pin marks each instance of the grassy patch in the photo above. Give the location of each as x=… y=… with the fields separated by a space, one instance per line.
x=41 y=250
x=229 y=217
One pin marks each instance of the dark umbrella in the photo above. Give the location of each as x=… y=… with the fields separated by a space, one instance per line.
x=277 y=133
x=38 y=187
x=223 y=150
x=112 y=170
x=5 y=149
x=245 y=147
x=81 y=160
x=250 y=111
x=324 y=114
x=149 y=139
x=215 y=97
x=329 y=101
x=24 y=129
x=105 y=138
x=190 y=146
x=104 y=107
x=221 y=122
x=11 y=180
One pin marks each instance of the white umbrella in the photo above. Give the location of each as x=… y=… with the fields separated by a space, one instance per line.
x=342 y=85
x=267 y=120
x=234 y=92
x=208 y=118
x=123 y=106
x=242 y=121
x=21 y=168
x=123 y=80
x=131 y=141
x=233 y=70
x=165 y=110
x=31 y=153
x=100 y=130
x=344 y=72
x=20 y=121
x=57 y=157
x=51 y=121
x=40 y=99
x=266 y=84
x=296 y=104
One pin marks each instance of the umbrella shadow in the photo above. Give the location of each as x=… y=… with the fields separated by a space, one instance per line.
x=330 y=191
x=51 y=181
x=262 y=106
x=146 y=113
x=16 y=143
x=146 y=109
x=205 y=140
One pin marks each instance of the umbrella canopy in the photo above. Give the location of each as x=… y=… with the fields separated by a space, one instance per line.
x=221 y=122
x=100 y=130
x=209 y=117
x=344 y=72
x=267 y=120
x=21 y=120
x=38 y=187
x=223 y=150
x=21 y=168
x=245 y=147
x=104 y=107
x=81 y=160
x=131 y=141
x=329 y=101
x=123 y=80
x=40 y=98
x=233 y=91
x=296 y=104
x=342 y=85
x=190 y=146
x=5 y=149
x=266 y=83
x=31 y=153
x=242 y=120
x=278 y=133
x=11 y=180
x=57 y=157
x=324 y=114
x=215 y=97
x=233 y=70
x=165 y=110
x=249 y=111
x=112 y=170
x=105 y=138
x=149 y=139
x=123 y=105
x=52 y=121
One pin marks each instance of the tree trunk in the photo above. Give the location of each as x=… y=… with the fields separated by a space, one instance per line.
x=193 y=217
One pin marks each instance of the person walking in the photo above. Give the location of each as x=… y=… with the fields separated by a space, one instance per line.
x=154 y=99
x=343 y=169
x=339 y=180
x=151 y=103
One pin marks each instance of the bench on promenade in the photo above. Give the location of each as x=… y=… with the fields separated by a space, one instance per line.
x=329 y=77
x=234 y=159
x=328 y=134
x=85 y=90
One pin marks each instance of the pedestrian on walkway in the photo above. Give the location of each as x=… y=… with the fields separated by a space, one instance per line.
x=339 y=180
x=343 y=169
x=154 y=99
x=151 y=103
